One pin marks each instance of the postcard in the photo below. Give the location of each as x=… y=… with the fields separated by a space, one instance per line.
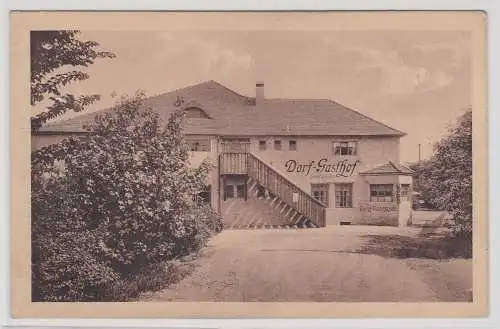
x=248 y=164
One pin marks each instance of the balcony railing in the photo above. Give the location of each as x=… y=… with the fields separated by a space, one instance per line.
x=234 y=158
x=235 y=147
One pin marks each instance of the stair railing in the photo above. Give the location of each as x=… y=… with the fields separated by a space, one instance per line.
x=281 y=186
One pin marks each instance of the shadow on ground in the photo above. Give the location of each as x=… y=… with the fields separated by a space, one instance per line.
x=425 y=245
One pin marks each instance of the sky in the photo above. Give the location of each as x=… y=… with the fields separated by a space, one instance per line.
x=418 y=82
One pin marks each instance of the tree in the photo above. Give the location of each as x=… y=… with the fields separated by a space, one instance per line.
x=124 y=194
x=446 y=178
x=418 y=168
x=50 y=52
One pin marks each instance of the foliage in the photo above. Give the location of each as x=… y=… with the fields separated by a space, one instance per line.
x=202 y=222
x=156 y=276
x=122 y=196
x=51 y=51
x=151 y=278
x=66 y=262
x=68 y=268
x=446 y=178
x=418 y=168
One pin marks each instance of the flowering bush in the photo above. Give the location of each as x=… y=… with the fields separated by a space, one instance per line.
x=122 y=197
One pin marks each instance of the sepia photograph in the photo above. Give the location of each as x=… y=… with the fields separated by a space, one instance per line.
x=245 y=165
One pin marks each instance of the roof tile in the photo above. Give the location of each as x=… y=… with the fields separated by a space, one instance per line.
x=235 y=114
x=389 y=168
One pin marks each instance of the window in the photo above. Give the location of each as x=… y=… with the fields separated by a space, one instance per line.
x=292 y=145
x=405 y=192
x=196 y=112
x=262 y=145
x=344 y=148
x=320 y=193
x=343 y=195
x=381 y=193
x=198 y=144
x=240 y=191
x=228 y=192
x=195 y=146
x=277 y=145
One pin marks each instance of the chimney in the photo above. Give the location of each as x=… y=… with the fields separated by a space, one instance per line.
x=259 y=92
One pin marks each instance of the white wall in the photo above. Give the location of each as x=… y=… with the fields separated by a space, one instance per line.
x=371 y=152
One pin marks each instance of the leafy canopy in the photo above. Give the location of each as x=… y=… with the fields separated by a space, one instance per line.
x=124 y=192
x=50 y=52
x=446 y=178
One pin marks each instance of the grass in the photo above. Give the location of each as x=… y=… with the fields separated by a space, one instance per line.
x=434 y=241
x=150 y=279
x=428 y=245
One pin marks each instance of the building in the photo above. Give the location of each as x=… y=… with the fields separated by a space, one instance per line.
x=283 y=162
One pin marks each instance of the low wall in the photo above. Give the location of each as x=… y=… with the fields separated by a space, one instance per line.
x=378 y=213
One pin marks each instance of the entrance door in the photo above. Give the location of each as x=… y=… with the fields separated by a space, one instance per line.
x=235 y=191
x=234 y=198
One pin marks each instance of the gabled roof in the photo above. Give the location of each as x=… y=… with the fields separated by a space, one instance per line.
x=389 y=168
x=235 y=114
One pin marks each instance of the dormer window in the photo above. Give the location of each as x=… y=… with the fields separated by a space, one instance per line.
x=196 y=112
x=344 y=148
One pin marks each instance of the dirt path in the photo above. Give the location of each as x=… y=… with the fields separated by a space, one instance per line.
x=303 y=265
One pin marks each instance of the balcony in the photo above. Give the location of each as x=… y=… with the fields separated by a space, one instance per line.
x=234 y=158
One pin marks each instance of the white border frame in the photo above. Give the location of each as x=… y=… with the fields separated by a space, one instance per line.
x=491 y=7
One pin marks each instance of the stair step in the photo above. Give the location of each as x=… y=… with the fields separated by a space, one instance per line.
x=254 y=226
x=263 y=210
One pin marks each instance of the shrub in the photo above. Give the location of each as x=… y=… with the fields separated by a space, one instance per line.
x=202 y=221
x=151 y=278
x=122 y=196
x=66 y=264
x=69 y=269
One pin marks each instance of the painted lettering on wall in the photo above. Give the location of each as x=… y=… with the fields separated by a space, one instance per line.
x=378 y=208
x=374 y=212
x=342 y=168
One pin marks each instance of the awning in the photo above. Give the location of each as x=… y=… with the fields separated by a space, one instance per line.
x=389 y=168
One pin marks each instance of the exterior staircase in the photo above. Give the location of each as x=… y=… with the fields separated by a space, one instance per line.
x=273 y=201
x=262 y=211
